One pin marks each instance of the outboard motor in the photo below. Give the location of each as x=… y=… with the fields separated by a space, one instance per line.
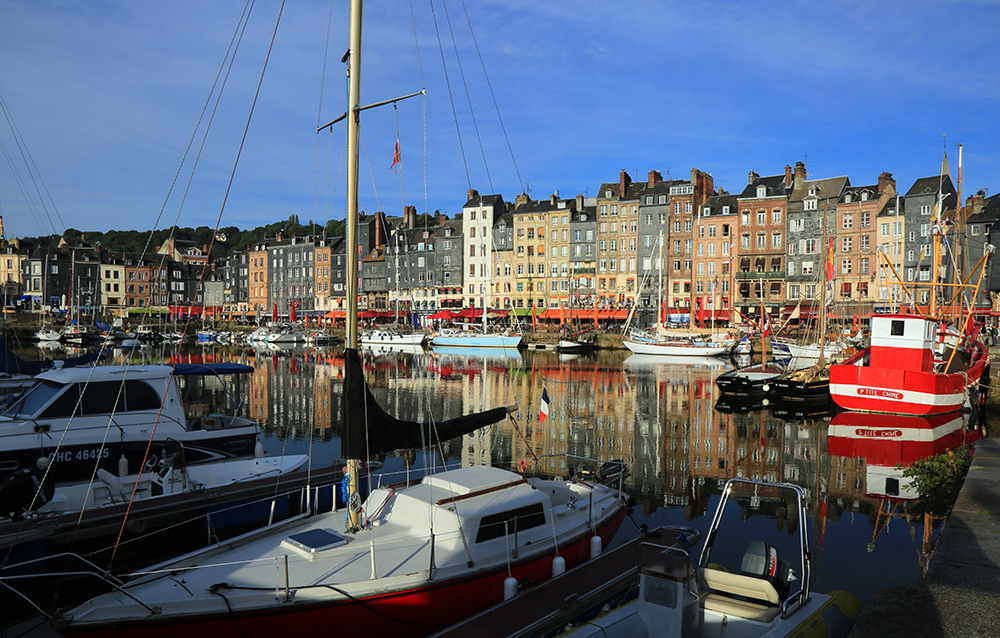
x=761 y=561
x=612 y=473
x=26 y=490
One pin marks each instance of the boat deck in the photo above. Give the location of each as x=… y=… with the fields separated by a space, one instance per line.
x=104 y=521
x=555 y=602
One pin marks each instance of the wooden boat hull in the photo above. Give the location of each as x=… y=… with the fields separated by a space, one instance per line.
x=754 y=381
x=412 y=612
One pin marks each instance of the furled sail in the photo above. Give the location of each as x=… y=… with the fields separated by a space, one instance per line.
x=369 y=430
x=10 y=363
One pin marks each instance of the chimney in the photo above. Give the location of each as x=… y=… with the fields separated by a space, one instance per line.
x=623 y=183
x=379 y=221
x=579 y=203
x=521 y=199
x=752 y=177
x=654 y=178
x=788 y=176
x=279 y=236
x=886 y=182
x=473 y=193
x=553 y=198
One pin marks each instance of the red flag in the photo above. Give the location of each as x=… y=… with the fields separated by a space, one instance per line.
x=292 y=316
x=395 y=159
x=767 y=327
x=829 y=261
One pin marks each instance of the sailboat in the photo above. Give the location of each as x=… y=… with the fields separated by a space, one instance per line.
x=662 y=341
x=407 y=561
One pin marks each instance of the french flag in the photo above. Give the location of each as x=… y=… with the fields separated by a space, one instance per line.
x=543 y=413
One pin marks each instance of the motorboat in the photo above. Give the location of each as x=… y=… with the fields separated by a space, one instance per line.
x=903 y=371
x=763 y=595
x=118 y=419
x=388 y=337
x=74 y=333
x=752 y=381
x=48 y=334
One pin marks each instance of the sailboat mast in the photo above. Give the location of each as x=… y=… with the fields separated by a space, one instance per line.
x=353 y=133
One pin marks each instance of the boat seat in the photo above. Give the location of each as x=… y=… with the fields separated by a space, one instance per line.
x=761 y=602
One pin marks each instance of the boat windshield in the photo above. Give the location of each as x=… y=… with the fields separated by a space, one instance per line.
x=33 y=400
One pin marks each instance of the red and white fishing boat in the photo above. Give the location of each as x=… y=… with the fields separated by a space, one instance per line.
x=911 y=367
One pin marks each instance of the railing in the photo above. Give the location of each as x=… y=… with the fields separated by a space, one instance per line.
x=767 y=274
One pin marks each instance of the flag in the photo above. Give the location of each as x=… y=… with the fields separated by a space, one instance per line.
x=829 y=261
x=543 y=413
x=767 y=327
x=395 y=159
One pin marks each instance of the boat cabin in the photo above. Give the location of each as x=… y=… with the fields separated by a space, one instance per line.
x=903 y=342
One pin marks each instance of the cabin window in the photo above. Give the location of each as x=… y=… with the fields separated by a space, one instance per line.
x=104 y=397
x=498 y=525
x=896 y=329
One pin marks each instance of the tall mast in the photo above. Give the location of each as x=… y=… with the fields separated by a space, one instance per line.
x=822 y=297
x=353 y=126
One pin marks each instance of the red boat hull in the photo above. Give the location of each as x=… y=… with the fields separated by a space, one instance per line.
x=900 y=391
x=401 y=614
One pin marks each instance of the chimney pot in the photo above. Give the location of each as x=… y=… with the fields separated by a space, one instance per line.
x=752 y=177
x=788 y=176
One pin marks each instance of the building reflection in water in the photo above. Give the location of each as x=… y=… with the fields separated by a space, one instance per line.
x=661 y=416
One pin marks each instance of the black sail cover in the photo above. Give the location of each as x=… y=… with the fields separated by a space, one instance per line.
x=362 y=412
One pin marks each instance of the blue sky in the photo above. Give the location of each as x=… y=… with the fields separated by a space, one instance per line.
x=105 y=96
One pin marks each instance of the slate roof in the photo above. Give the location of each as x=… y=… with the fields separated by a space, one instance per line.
x=926 y=185
x=828 y=187
x=775 y=185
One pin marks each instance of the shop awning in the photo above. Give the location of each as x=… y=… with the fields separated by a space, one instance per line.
x=336 y=314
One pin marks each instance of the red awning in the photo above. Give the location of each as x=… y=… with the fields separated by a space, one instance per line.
x=336 y=314
x=443 y=314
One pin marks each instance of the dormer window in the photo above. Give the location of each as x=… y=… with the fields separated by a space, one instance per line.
x=607 y=193
x=864 y=196
x=447 y=232
x=561 y=205
x=725 y=210
x=762 y=191
x=847 y=198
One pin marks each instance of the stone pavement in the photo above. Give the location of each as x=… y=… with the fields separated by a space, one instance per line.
x=960 y=596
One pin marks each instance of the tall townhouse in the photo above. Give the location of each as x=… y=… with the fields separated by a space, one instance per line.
x=713 y=278
x=338 y=277
x=529 y=217
x=112 y=281
x=811 y=201
x=685 y=200
x=411 y=266
x=618 y=242
x=292 y=278
x=762 y=230
x=654 y=234
x=983 y=228
x=922 y=200
x=449 y=249
x=257 y=280
x=557 y=254
x=479 y=214
x=583 y=244
x=11 y=269
x=324 y=269
x=890 y=227
x=373 y=270
x=855 y=244
x=502 y=284
x=139 y=277
x=236 y=272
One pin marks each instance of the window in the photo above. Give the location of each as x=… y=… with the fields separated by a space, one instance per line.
x=925 y=230
x=847 y=221
x=845 y=266
x=810 y=246
x=761 y=240
x=505 y=523
x=847 y=244
x=864 y=266
x=761 y=217
x=807 y=268
x=776 y=216
x=810 y=204
x=866 y=219
x=925 y=209
x=775 y=240
x=793 y=291
x=864 y=243
x=884 y=229
x=745 y=240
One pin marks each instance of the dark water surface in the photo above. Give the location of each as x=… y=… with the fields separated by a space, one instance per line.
x=661 y=415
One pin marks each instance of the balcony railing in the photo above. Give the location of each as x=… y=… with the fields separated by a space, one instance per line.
x=754 y=275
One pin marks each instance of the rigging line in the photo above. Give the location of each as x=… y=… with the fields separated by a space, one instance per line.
x=24 y=191
x=25 y=156
x=420 y=70
x=492 y=95
x=319 y=113
x=371 y=174
x=240 y=29
x=468 y=98
x=239 y=153
x=398 y=157
x=451 y=97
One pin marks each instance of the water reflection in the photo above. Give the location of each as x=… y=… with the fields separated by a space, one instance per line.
x=662 y=416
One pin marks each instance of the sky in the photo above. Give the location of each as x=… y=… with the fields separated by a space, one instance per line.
x=106 y=103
